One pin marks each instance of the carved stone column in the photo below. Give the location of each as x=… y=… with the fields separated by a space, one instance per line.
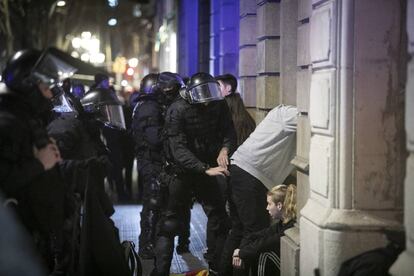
x=356 y=106
x=404 y=266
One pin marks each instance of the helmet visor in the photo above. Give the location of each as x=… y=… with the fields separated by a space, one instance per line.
x=62 y=104
x=206 y=92
x=78 y=91
x=112 y=116
x=51 y=70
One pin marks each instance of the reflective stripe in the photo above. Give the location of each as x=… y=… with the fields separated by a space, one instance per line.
x=265 y=258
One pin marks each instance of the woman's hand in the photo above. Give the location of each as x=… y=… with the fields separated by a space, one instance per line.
x=223 y=158
x=216 y=171
x=237 y=262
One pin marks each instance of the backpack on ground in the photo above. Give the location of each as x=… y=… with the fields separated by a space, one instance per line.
x=132 y=258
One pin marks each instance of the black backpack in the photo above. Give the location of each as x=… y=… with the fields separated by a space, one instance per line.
x=132 y=258
x=377 y=261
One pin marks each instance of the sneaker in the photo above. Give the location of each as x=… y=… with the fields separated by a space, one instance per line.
x=182 y=248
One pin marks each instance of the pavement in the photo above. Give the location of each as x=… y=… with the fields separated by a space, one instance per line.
x=127 y=218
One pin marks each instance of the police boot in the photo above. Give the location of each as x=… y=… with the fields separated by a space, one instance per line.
x=56 y=249
x=146 y=239
x=164 y=254
x=183 y=244
x=182 y=248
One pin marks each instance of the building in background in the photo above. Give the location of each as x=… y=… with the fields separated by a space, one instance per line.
x=195 y=36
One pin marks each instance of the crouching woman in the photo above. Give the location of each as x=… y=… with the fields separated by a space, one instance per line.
x=264 y=245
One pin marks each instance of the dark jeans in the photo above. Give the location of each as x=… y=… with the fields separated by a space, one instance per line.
x=247 y=202
x=207 y=192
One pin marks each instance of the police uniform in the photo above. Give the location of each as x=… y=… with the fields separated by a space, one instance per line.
x=147 y=127
x=196 y=133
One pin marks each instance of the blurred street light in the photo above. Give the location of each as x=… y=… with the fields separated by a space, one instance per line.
x=112 y=22
x=113 y=3
x=61 y=3
x=76 y=42
x=119 y=65
x=133 y=62
x=75 y=54
x=85 y=57
x=136 y=10
x=130 y=71
x=86 y=35
x=97 y=58
x=88 y=45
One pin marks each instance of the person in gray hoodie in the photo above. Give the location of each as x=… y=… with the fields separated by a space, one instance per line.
x=260 y=163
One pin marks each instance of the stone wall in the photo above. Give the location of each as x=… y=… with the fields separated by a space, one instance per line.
x=267 y=54
x=404 y=266
x=355 y=114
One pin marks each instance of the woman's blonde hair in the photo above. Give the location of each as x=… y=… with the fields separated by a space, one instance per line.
x=286 y=194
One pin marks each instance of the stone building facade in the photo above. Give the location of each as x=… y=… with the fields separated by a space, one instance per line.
x=405 y=262
x=343 y=64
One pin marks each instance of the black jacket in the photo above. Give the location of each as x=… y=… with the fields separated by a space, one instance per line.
x=85 y=157
x=264 y=241
x=40 y=193
x=147 y=129
x=196 y=134
x=20 y=131
x=77 y=137
x=78 y=140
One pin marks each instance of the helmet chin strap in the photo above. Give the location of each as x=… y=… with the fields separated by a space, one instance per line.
x=183 y=93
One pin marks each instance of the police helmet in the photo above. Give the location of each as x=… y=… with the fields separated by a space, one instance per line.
x=202 y=88
x=148 y=83
x=26 y=68
x=169 y=82
x=104 y=106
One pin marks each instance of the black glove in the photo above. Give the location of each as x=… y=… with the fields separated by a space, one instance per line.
x=101 y=163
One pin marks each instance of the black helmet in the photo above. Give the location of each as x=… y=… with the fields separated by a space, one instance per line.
x=148 y=83
x=28 y=67
x=101 y=81
x=17 y=74
x=104 y=106
x=169 y=82
x=202 y=88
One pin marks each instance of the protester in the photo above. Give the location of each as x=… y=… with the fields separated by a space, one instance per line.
x=265 y=244
x=262 y=160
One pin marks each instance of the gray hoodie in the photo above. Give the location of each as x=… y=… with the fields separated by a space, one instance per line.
x=267 y=153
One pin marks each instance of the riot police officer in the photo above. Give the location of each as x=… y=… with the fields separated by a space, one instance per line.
x=77 y=131
x=28 y=157
x=200 y=137
x=114 y=140
x=156 y=92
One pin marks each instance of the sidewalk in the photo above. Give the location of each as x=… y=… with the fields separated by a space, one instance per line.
x=127 y=218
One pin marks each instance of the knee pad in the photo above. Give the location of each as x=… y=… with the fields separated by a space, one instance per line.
x=169 y=227
x=154 y=203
